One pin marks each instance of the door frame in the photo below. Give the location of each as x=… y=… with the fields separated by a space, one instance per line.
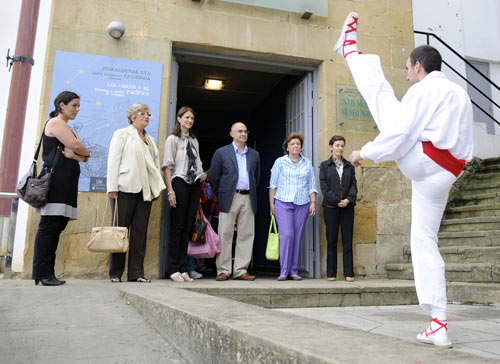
x=276 y=65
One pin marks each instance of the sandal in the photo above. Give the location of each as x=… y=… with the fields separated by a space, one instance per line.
x=331 y=279
x=116 y=280
x=143 y=280
x=296 y=277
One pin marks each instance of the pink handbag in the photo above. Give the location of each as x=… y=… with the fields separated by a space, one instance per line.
x=211 y=246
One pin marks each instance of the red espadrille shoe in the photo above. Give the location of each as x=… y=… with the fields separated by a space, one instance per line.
x=346 y=44
x=435 y=334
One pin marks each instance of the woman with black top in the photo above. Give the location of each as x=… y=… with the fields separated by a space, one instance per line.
x=63 y=193
x=339 y=188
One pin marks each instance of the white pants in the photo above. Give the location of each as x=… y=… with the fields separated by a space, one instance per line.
x=430 y=183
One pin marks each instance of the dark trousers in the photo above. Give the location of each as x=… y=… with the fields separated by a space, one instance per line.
x=46 y=241
x=133 y=212
x=183 y=216
x=335 y=218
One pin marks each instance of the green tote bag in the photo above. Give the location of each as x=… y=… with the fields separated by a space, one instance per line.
x=273 y=242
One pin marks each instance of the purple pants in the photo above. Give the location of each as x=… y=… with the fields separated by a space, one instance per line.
x=291 y=221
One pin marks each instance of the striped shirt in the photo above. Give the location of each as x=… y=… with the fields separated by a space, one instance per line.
x=293 y=184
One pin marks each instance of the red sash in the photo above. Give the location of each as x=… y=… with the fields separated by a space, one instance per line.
x=444 y=158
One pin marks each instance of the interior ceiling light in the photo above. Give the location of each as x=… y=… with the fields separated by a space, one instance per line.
x=211 y=84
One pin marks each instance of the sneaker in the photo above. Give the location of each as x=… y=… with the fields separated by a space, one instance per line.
x=185 y=276
x=435 y=335
x=346 y=44
x=176 y=277
x=195 y=275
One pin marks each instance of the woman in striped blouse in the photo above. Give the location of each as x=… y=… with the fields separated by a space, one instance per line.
x=292 y=197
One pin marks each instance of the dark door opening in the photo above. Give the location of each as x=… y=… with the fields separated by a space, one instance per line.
x=253 y=95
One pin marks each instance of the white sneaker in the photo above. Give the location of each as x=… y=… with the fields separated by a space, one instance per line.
x=346 y=44
x=435 y=334
x=176 y=277
x=195 y=275
x=186 y=277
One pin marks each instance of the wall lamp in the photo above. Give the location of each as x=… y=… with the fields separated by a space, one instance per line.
x=116 y=29
x=211 y=84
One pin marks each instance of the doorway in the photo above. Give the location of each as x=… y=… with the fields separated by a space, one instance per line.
x=272 y=99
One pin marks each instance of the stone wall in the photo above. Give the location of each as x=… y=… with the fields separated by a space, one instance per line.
x=153 y=27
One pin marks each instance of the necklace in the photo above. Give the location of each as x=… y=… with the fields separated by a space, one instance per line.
x=295 y=161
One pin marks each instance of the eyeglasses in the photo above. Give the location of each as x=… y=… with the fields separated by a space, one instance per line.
x=143 y=113
x=241 y=131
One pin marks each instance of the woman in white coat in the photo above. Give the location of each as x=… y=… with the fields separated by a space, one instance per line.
x=134 y=180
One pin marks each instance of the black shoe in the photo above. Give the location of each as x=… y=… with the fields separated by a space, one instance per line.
x=57 y=280
x=49 y=282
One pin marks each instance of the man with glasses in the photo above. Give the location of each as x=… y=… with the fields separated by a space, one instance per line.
x=235 y=174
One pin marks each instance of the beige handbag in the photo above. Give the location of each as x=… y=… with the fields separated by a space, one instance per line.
x=109 y=239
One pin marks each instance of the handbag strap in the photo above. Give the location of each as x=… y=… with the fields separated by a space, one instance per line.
x=37 y=152
x=56 y=157
x=115 y=215
x=272 y=225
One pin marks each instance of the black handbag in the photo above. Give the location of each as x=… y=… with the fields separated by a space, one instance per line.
x=199 y=228
x=32 y=188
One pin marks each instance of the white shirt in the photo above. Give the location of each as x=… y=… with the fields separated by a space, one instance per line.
x=434 y=109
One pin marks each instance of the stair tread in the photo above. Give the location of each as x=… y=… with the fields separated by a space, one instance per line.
x=478 y=207
x=473 y=248
x=476 y=196
x=481 y=186
x=467 y=234
x=471 y=220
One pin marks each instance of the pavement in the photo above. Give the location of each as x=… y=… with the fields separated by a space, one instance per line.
x=472 y=329
x=79 y=322
x=91 y=321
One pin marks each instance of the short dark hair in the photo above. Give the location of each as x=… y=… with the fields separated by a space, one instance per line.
x=65 y=97
x=336 y=138
x=428 y=57
x=289 y=138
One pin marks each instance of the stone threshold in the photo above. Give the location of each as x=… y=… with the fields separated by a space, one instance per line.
x=209 y=329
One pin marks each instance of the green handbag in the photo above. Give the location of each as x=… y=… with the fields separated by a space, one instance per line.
x=273 y=242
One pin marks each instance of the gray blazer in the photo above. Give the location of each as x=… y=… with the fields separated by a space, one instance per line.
x=224 y=175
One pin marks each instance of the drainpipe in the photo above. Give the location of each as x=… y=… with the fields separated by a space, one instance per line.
x=18 y=98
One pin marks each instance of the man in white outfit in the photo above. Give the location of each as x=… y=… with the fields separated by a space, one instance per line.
x=429 y=135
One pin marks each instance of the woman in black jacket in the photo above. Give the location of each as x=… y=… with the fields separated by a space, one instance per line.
x=339 y=188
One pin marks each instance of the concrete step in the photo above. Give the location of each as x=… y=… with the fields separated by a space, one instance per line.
x=473 y=198
x=486 y=177
x=481 y=186
x=465 y=254
x=473 y=293
x=490 y=168
x=469 y=238
x=489 y=161
x=455 y=272
x=485 y=209
x=209 y=329
x=471 y=224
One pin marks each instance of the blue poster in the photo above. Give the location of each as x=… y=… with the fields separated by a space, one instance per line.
x=107 y=87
